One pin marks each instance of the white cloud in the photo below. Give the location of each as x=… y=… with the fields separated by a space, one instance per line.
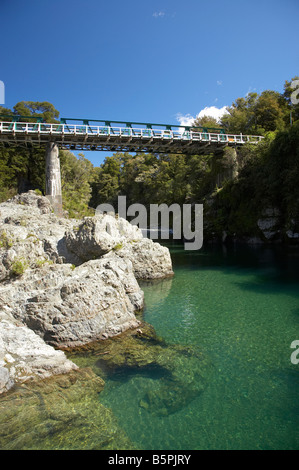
x=213 y=111
x=159 y=14
x=219 y=82
x=187 y=119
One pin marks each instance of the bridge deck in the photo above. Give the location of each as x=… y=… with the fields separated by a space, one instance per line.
x=123 y=139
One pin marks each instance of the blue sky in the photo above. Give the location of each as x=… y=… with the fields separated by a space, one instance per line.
x=147 y=61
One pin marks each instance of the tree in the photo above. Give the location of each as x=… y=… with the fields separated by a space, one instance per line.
x=77 y=174
x=270 y=112
x=206 y=121
x=257 y=114
x=26 y=167
x=240 y=117
x=44 y=110
x=105 y=185
x=291 y=96
x=4 y=113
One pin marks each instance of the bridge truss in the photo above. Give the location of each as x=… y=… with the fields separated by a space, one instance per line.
x=125 y=137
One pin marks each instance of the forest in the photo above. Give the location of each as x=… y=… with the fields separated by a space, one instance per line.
x=233 y=186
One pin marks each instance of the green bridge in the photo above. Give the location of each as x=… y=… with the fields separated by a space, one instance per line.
x=112 y=136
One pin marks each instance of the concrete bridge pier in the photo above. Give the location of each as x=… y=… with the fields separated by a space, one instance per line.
x=53 y=177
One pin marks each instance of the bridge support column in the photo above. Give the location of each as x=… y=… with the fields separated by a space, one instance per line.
x=53 y=177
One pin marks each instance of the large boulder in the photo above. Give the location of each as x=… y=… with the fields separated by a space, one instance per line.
x=69 y=306
x=32 y=235
x=104 y=233
x=65 y=283
x=150 y=260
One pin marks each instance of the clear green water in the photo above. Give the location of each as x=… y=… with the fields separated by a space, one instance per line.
x=241 y=305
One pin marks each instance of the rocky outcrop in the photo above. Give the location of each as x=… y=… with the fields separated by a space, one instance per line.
x=96 y=236
x=67 y=282
x=269 y=224
x=150 y=260
x=24 y=355
x=69 y=306
x=99 y=235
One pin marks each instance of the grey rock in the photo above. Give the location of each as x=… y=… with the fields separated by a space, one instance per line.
x=98 y=300
x=150 y=260
x=5 y=380
x=292 y=235
x=98 y=235
x=24 y=356
x=269 y=223
x=32 y=199
x=77 y=284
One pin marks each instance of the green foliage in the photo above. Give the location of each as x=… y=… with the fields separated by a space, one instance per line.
x=5 y=240
x=257 y=114
x=268 y=178
x=39 y=263
x=206 y=121
x=22 y=169
x=118 y=247
x=44 y=109
x=76 y=176
x=18 y=267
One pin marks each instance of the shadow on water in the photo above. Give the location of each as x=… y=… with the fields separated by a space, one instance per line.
x=279 y=263
x=125 y=374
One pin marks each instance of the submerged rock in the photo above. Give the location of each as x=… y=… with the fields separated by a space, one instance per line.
x=182 y=372
x=63 y=413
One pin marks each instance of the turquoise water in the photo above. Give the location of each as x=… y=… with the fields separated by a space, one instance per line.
x=218 y=376
x=241 y=306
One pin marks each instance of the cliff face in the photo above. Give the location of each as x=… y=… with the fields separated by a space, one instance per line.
x=267 y=225
x=65 y=283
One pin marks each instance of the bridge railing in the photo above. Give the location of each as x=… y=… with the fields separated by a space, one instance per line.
x=124 y=133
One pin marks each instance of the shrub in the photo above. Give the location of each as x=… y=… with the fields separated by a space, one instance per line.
x=5 y=241
x=18 y=267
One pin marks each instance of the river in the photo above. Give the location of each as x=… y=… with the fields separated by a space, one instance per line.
x=241 y=306
x=222 y=376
